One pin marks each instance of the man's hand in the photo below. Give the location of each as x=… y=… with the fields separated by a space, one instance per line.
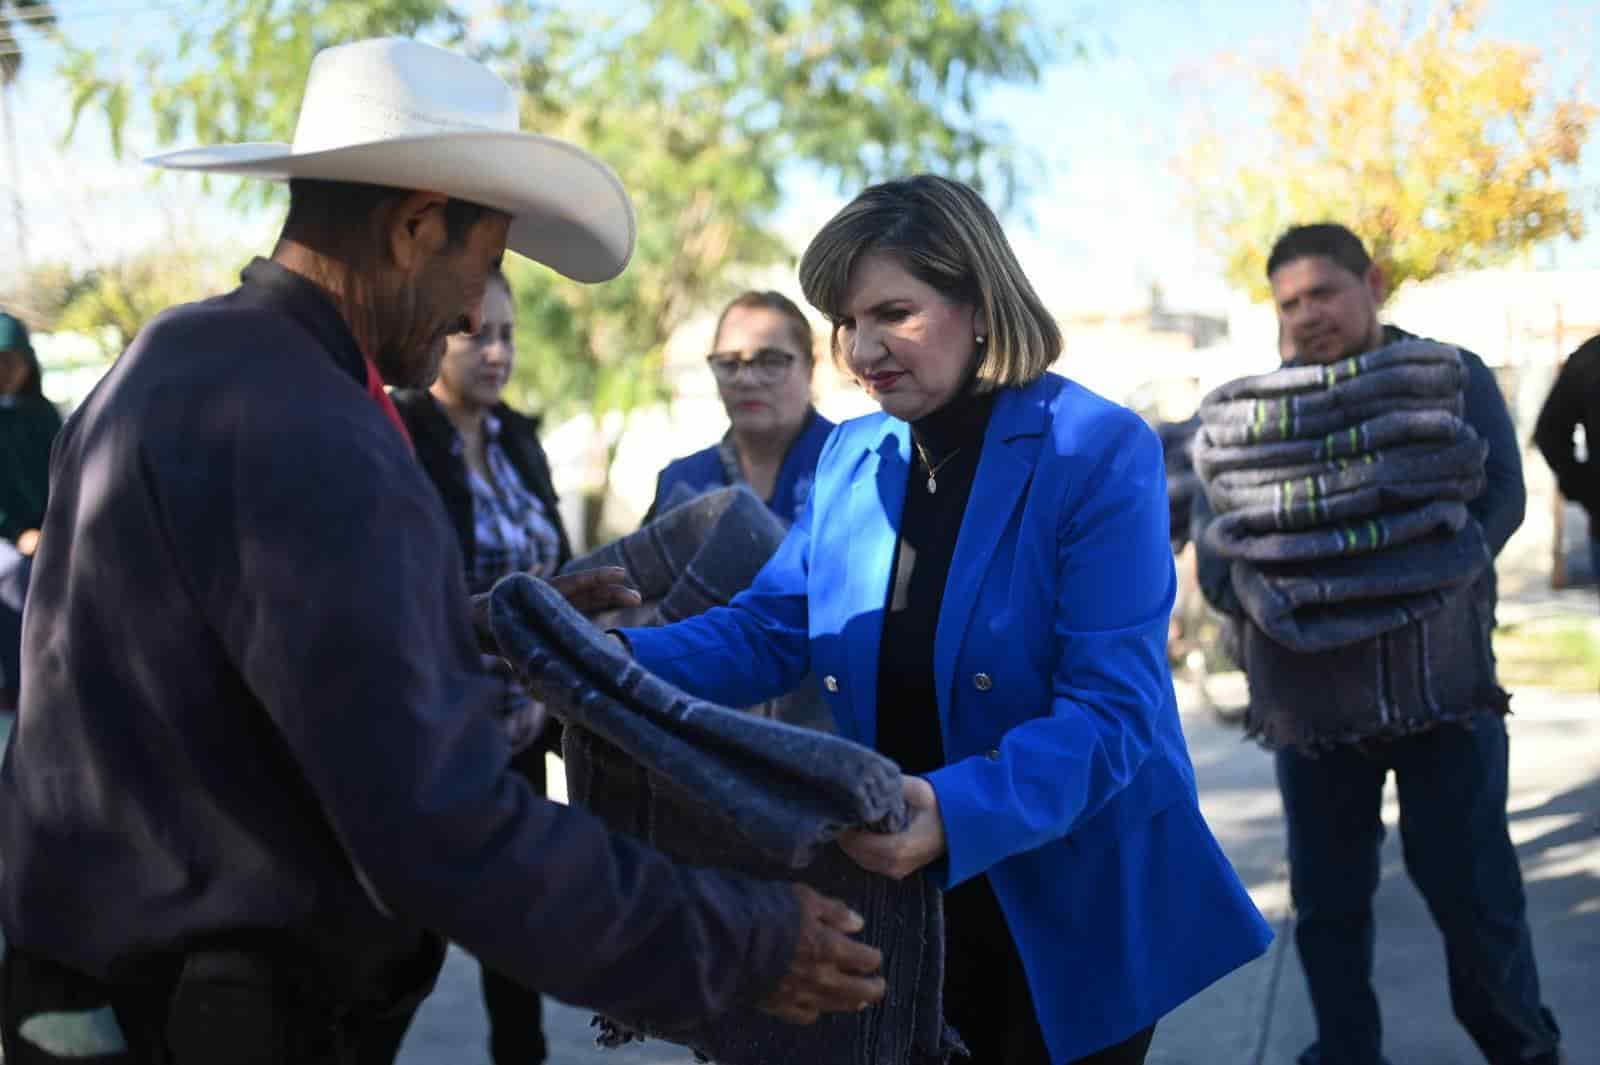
x=595 y=591
x=903 y=853
x=28 y=542
x=830 y=972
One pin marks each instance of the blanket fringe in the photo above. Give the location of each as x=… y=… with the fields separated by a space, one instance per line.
x=1278 y=731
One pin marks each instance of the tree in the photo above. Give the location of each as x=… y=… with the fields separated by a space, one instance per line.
x=703 y=106
x=39 y=16
x=235 y=71
x=1441 y=149
x=112 y=302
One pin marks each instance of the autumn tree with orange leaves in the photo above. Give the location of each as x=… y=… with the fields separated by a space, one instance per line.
x=1441 y=149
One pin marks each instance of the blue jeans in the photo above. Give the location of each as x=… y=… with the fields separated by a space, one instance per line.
x=1458 y=851
x=1594 y=560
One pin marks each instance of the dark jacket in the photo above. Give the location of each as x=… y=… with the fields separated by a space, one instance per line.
x=435 y=441
x=1574 y=400
x=255 y=702
x=28 y=425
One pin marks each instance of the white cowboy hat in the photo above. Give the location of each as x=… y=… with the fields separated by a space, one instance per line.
x=407 y=115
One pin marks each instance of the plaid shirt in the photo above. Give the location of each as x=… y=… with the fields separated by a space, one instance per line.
x=513 y=533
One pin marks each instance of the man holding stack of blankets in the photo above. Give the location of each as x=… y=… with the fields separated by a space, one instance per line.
x=1353 y=503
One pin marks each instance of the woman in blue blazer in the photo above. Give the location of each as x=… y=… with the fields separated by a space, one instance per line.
x=762 y=358
x=983 y=580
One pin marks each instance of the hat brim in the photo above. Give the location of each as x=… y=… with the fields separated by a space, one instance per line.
x=568 y=209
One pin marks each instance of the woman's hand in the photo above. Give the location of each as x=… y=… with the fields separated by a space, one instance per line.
x=28 y=542
x=904 y=852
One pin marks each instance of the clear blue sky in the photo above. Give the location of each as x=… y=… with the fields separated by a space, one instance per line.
x=1102 y=222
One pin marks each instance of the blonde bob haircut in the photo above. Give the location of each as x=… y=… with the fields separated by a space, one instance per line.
x=944 y=235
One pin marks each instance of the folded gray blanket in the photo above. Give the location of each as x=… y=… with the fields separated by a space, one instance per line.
x=1325 y=604
x=700 y=552
x=696 y=555
x=1355 y=443
x=1302 y=402
x=1233 y=536
x=788 y=791
x=1295 y=486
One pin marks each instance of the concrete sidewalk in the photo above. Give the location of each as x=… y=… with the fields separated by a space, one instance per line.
x=1260 y=1015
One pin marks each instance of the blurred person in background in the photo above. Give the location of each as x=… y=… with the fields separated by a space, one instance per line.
x=1574 y=400
x=762 y=358
x=494 y=479
x=28 y=425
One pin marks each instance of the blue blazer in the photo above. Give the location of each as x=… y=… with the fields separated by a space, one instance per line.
x=1068 y=780
x=703 y=471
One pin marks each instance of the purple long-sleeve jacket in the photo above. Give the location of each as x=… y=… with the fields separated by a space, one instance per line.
x=252 y=700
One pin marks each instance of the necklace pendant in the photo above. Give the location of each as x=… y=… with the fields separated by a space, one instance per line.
x=933 y=485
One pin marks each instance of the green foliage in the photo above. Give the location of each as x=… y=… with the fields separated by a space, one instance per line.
x=111 y=303
x=1558 y=653
x=1443 y=150
x=42 y=293
x=703 y=108
x=235 y=72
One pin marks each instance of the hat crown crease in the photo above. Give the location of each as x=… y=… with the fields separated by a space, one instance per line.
x=381 y=90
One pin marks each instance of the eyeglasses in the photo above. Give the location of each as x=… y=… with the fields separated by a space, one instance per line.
x=767 y=366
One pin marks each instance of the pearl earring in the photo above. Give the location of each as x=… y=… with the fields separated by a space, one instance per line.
x=980 y=338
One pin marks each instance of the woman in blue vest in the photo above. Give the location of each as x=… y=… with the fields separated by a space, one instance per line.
x=983 y=580
x=762 y=358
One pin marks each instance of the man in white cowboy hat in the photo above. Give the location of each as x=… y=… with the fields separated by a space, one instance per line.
x=255 y=757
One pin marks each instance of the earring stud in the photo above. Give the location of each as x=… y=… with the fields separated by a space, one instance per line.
x=980 y=338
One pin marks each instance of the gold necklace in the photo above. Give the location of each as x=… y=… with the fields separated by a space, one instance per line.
x=934 y=468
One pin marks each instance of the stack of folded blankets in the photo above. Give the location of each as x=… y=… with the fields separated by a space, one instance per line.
x=1340 y=493
x=719 y=787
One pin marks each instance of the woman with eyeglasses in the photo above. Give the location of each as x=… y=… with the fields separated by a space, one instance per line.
x=762 y=361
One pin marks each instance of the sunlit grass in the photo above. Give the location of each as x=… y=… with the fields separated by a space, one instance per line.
x=1558 y=653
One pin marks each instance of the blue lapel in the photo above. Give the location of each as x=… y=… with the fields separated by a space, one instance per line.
x=872 y=514
x=1004 y=470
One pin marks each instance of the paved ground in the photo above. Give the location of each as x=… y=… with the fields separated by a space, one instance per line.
x=1260 y=1015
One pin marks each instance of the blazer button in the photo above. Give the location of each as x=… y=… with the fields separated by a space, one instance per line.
x=982 y=681
x=831 y=683
x=993 y=754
